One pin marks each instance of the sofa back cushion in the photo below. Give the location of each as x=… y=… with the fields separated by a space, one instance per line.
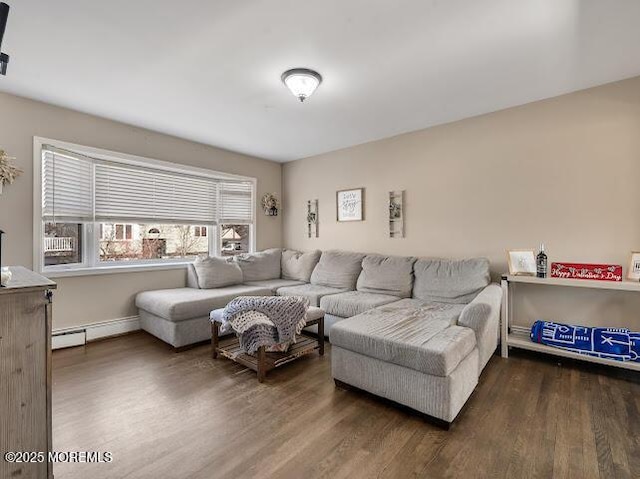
x=338 y=269
x=391 y=275
x=260 y=266
x=217 y=272
x=450 y=281
x=297 y=265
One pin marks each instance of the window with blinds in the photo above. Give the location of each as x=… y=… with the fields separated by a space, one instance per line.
x=67 y=187
x=236 y=205
x=166 y=212
x=146 y=195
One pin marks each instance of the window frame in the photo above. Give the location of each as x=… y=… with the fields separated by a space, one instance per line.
x=218 y=233
x=91 y=263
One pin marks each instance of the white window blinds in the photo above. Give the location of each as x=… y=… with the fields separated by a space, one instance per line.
x=146 y=195
x=67 y=187
x=236 y=202
x=79 y=188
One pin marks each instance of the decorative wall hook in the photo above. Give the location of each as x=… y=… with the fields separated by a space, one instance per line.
x=270 y=204
x=8 y=172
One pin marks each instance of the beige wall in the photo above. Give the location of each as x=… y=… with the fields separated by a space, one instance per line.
x=91 y=299
x=564 y=171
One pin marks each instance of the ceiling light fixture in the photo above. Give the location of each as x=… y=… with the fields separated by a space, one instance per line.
x=302 y=82
x=4 y=58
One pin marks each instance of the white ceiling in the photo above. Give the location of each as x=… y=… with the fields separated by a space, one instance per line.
x=210 y=70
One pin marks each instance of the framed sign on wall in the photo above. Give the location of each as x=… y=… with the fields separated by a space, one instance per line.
x=350 y=204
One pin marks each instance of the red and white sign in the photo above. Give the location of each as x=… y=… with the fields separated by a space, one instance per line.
x=598 y=272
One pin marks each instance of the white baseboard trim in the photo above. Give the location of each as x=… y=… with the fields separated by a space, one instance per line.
x=68 y=337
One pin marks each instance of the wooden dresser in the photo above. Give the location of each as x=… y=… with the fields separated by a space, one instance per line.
x=25 y=372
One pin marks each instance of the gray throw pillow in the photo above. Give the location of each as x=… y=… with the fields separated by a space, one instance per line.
x=297 y=265
x=217 y=272
x=260 y=266
x=387 y=275
x=338 y=269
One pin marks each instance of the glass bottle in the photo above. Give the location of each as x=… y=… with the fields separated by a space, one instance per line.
x=541 y=263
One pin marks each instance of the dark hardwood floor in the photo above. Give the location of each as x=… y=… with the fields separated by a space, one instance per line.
x=183 y=415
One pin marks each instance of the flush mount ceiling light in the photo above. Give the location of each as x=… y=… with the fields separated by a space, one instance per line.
x=302 y=82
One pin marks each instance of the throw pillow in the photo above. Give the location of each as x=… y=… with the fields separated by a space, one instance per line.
x=217 y=272
x=297 y=265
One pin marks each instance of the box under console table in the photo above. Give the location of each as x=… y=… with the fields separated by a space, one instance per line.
x=515 y=336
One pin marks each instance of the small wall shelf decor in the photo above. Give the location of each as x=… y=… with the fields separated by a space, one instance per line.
x=270 y=204
x=312 y=218
x=396 y=214
x=8 y=172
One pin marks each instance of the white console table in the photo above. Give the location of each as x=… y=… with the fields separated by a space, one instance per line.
x=518 y=336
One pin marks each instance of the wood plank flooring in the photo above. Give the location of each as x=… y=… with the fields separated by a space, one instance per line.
x=183 y=415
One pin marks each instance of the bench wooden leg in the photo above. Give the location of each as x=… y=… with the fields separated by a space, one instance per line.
x=262 y=364
x=215 y=339
x=321 y=336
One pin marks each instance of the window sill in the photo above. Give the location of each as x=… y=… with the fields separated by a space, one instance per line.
x=119 y=269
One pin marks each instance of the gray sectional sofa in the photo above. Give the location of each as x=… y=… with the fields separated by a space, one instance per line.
x=418 y=331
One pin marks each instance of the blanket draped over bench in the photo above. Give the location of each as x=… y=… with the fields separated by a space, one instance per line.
x=267 y=321
x=620 y=344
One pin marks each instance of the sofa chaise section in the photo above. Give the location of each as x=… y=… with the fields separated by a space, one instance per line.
x=407 y=356
x=180 y=316
x=426 y=351
x=467 y=285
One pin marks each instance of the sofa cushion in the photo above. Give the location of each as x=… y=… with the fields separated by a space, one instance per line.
x=445 y=311
x=274 y=284
x=352 y=303
x=217 y=272
x=260 y=266
x=450 y=281
x=338 y=269
x=407 y=337
x=313 y=292
x=387 y=275
x=298 y=265
x=179 y=304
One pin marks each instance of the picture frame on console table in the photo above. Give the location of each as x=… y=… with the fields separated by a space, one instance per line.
x=634 y=267
x=522 y=262
x=350 y=205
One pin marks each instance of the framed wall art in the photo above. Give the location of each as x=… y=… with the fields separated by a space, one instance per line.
x=350 y=205
x=634 y=267
x=522 y=262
